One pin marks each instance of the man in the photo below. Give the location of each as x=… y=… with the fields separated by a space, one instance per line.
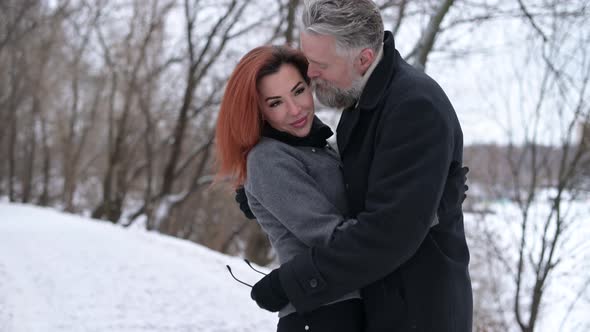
x=402 y=147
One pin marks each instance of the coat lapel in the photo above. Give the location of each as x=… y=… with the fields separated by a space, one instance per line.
x=372 y=93
x=346 y=125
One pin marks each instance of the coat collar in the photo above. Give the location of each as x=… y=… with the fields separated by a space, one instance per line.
x=378 y=81
x=374 y=91
x=317 y=136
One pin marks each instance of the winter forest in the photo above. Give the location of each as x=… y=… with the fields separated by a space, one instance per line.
x=108 y=109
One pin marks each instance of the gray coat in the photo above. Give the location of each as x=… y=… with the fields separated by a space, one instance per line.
x=298 y=197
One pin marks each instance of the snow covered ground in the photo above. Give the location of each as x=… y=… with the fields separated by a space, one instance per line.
x=566 y=299
x=60 y=272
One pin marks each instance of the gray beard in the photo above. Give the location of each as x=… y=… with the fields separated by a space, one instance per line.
x=332 y=96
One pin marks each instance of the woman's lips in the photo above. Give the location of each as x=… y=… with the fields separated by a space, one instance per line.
x=300 y=123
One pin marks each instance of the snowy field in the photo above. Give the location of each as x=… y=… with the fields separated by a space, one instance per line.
x=60 y=272
x=566 y=300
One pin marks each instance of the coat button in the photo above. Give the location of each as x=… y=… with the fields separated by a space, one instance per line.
x=313 y=283
x=313 y=150
x=347 y=186
x=306 y=327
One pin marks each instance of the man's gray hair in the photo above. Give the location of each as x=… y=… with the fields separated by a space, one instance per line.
x=354 y=23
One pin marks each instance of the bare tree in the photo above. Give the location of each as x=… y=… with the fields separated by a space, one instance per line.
x=292 y=6
x=14 y=29
x=426 y=42
x=75 y=125
x=545 y=157
x=17 y=21
x=201 y=58
x=115 y=184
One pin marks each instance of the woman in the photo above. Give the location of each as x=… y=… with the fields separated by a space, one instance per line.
x=269 y=140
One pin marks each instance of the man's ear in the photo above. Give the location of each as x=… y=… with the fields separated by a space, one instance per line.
x=365 y=59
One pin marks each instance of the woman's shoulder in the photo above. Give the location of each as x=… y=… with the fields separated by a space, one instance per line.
x=271 y=158
x=269 y=149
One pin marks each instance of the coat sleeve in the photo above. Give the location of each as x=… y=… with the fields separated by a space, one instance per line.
x=281 y=190
x=413 y=151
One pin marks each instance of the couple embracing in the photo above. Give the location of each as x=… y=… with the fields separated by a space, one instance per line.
x=370 y=233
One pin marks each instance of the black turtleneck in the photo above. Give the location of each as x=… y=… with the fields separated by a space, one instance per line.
x=318 y=134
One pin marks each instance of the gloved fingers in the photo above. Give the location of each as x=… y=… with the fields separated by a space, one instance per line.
x=241 y=195
x=464 y=170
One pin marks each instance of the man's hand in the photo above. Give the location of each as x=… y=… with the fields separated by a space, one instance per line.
x=243 y=201
x=463 y=171
x=268 y=292
x=454 y=192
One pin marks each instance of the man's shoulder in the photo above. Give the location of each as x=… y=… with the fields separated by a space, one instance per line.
x=413 y=96
x=411 y=86
x=410 y=82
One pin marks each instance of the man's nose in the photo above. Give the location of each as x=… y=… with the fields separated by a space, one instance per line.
x=312 y=71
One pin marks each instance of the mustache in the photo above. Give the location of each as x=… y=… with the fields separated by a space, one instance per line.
x=320 y=83
x=332 y=96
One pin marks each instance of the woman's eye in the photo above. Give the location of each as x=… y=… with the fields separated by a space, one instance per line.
x=299 y=91
x=274 y=104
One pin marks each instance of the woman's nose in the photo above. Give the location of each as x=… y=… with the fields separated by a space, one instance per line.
x=292 y=107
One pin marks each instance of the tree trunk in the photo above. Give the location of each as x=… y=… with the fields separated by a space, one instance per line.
x=28 y=173
x=44 y=199
x=289 y=31
x=13 y=127
x=426 y=43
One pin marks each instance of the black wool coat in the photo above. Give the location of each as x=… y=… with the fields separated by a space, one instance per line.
x=398 y=148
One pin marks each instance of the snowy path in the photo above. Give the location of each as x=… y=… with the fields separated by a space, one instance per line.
x=66 y=273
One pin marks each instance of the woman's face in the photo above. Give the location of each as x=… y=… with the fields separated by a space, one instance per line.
x=286 y=101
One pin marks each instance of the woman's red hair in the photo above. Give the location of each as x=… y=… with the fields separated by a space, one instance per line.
x=239 y=123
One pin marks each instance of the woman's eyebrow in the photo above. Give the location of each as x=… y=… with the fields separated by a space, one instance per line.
x=296 y=85
x=277 y=97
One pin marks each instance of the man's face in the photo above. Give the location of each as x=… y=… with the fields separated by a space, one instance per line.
x=335 y=78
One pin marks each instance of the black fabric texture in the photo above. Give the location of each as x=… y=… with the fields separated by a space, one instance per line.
x=317 y=137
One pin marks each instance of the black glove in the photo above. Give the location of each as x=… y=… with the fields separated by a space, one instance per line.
x=454 y=191
x=463 y=174
x=455 y=188
x=243 y=201
x=268 y=292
